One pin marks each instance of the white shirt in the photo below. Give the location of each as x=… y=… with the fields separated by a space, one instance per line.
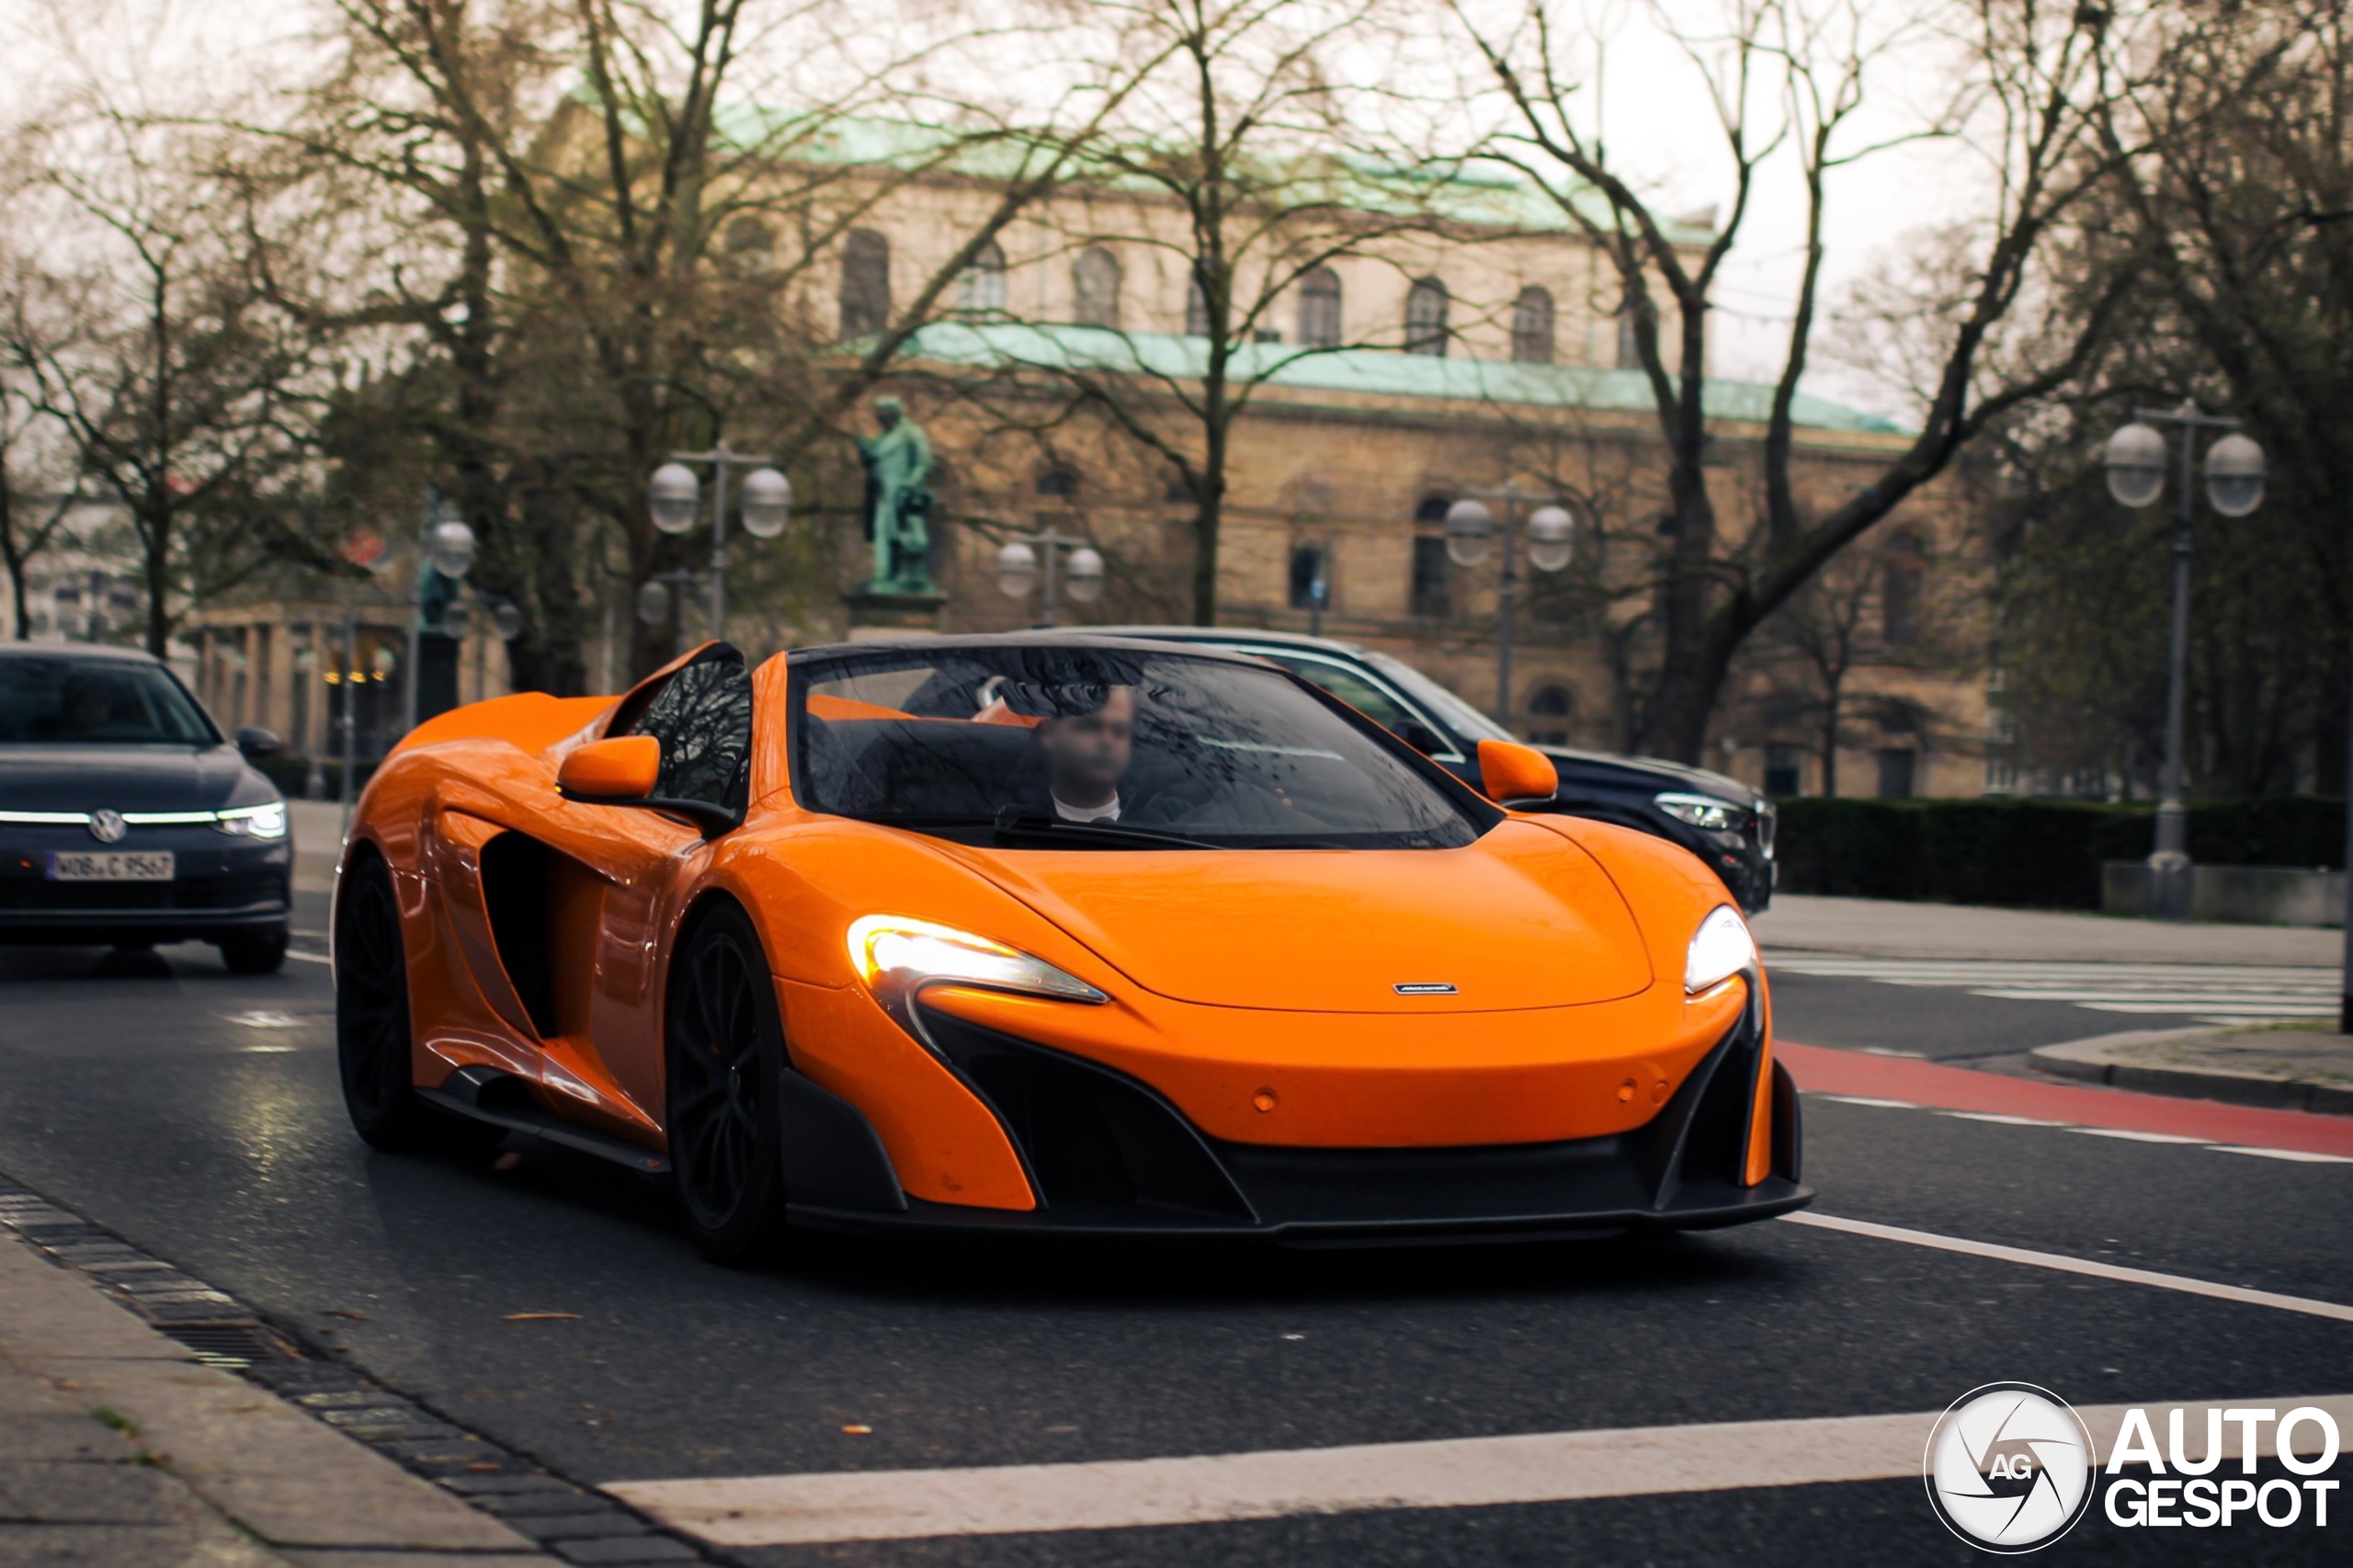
x=1107 y=812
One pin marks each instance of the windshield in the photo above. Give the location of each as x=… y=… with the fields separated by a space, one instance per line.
x=1467 y=720
x=70 y=701
x=1038 y=744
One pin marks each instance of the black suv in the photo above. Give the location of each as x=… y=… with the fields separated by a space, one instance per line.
x=1721 y=820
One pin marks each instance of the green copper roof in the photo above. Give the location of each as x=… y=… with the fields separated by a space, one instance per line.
x=1372 y=371
x=1467 y=191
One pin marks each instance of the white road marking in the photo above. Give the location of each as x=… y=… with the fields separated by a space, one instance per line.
x=2302 y=1156
x=2085 y=1265
x=1461 y=1472
x=308 y=958
x=1866 y=1100
x=2210 y=993
x=1999 y=1119
x=2137 y=1137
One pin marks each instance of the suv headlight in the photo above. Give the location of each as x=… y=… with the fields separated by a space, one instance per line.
x=1699 y=811
x=252 y=822
x=897 y=956
x=1720 y=948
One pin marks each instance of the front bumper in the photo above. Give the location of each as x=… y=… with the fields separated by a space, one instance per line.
x=1108 y=1157
x=224 y=886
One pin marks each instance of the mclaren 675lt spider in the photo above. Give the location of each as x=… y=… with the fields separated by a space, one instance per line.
x=1045 y=933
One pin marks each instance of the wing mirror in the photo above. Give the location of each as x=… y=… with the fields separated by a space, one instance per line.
x=258 y=743
x=1510 y=771
x=626 y=771
x=623 y=769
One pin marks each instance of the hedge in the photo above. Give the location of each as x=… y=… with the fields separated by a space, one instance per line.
x=2033 y=853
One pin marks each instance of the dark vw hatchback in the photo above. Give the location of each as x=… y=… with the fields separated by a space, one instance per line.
x=127 y=818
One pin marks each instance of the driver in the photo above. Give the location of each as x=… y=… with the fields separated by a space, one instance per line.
x=86 y=706
x=1087 y=755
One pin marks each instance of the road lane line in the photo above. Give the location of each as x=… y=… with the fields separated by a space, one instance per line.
x=2066 y=1265
x=2302 y=1157
x=308 y=958
x=1459 y=1473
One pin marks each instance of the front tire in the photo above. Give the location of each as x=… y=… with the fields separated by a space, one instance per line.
x=372 y=1037
x=255 y=952
x=724 y=1049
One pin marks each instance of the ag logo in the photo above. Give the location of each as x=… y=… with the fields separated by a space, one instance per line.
x=2009 y=1468
x=107 y=826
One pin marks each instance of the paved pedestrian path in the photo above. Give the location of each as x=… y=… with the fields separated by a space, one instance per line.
x=120 y=1449
x=2300 y=1069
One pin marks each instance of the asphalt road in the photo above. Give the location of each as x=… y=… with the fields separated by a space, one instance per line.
x=196 y=1114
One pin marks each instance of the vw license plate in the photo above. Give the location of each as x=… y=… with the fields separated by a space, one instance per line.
x=110 y=866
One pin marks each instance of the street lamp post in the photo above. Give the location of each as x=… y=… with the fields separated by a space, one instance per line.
x=2136 y=476
x=1027 y=560
x=1551 y=538
x=675 y=496
x=446 y=547
x=663 y=597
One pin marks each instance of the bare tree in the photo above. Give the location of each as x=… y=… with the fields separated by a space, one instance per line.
x=1242 y=170
x=1784 y=78
x=611 y=249
x=179 y=388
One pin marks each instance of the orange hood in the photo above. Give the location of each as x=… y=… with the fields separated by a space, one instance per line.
x=1522 y=918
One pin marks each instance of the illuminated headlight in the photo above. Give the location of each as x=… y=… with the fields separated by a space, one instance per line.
x=896 y=957
x=1721 y=948
x=1699 y=811
x=252 y=822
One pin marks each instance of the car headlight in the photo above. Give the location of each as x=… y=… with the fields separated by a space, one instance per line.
x=1720 y=948
x=896 y=957
x=1699 y=811
x=252 y=822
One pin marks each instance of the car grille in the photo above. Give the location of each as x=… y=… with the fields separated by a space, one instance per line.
x=235 y=891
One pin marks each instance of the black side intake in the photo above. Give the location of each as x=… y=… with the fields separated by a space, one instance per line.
x=1090 y=1136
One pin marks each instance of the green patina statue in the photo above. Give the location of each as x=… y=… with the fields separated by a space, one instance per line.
x=898 y=501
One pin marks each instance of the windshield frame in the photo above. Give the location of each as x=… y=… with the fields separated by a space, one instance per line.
x=805 y=667
x=77 y=656
x=1468 y=722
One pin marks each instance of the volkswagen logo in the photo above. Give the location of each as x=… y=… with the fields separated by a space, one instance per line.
x=2010 y=1468
x=108 y=827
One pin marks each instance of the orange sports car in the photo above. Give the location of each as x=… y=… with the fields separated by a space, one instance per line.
x=1046 y=933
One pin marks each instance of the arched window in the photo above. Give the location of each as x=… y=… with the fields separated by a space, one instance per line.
x=1901 y=574
x=1431 y=592
x=1319 y=309
x=1197 y=308
x=865 y=283
x=1307 y=575
x=750 y=240
x=1095 y=279
x=1060 y=483
x=1550 y=711
x=1426 y=305
x=1629 y=348
x=1531 y=326
x=979 y=289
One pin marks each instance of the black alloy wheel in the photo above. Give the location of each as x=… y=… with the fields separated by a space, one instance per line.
x=372 y=1038
x=255 y=952
x=726 y=1066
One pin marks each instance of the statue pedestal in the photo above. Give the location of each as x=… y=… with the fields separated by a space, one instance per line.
x=874 y=615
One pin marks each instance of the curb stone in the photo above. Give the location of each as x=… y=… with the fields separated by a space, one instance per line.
x=2104 y=1058
x=570 y=1522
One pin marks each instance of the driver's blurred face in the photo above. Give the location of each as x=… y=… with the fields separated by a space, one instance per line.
x=85 y=708
x=1086 y=756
